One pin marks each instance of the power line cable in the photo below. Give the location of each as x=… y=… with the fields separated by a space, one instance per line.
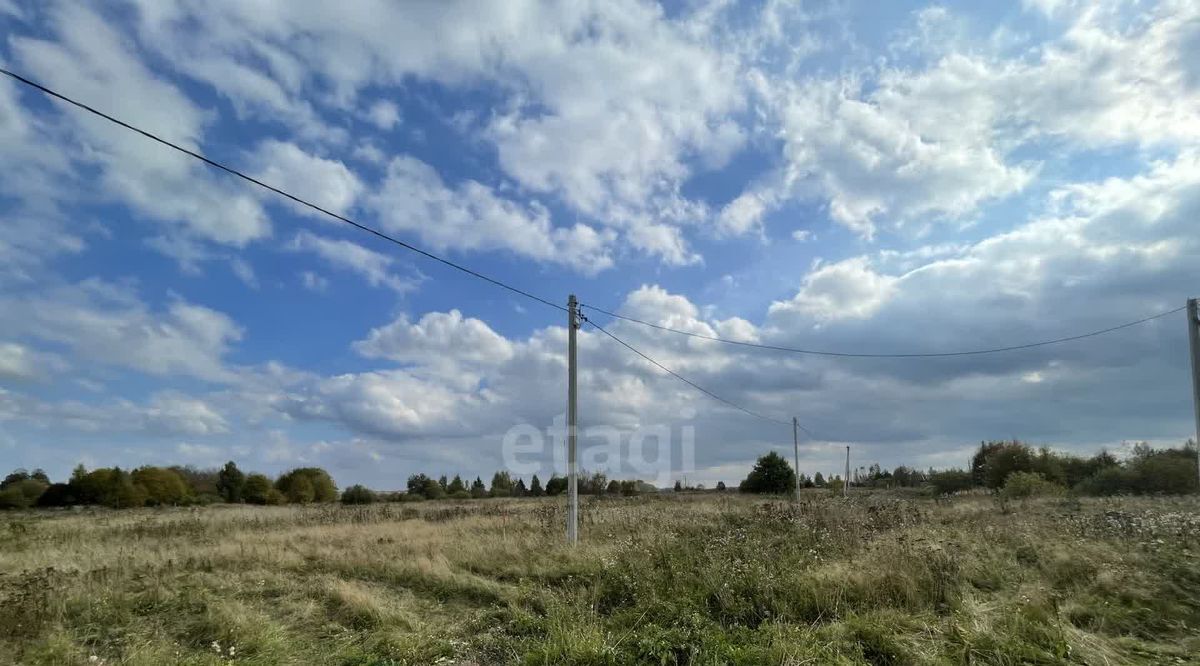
x=685 y=380
x=503 y=285
x=819 y=352
x=280 y=192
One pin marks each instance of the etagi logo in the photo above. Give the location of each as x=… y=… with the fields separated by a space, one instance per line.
x=656 y=453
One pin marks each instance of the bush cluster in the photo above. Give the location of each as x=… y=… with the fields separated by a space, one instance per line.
x=1011 y=468
x=422 y=487
x=1014 y=469
x=164 y=486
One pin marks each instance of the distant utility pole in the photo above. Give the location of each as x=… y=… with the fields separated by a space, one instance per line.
x=1193 y=317
x=796 y=450
x=572 y=422
x=846 y=483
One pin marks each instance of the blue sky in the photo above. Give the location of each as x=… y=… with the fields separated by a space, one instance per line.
x=823 y=175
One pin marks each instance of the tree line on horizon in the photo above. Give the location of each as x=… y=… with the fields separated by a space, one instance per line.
x=1013 y=468
x=117 y=488
x=423 y=487
x=1008 y=466
x=165 y=486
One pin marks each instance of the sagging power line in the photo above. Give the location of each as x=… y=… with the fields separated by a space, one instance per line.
x=283 y=193
x=504 y=285
x=819 y=352
x=683 y=379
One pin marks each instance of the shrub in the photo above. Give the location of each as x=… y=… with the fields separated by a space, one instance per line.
x=1169 y=471
x=308 y=484
x=950 y=481
x=1020 y=485
x=460 y=495
x=22 y=494
x=20 y=475
x=58 y=494
x=771 y=474
x=298 y=490
x=1004 y=459
x=433 y=490
x=200 y=482
x=257 y=489
x=161 y=486
x=478 y=490
x=358 y=494
x=1108 y=481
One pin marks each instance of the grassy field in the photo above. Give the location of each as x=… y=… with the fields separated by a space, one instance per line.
x=693 y=579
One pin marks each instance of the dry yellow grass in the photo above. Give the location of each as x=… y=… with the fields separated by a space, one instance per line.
x=692 y=579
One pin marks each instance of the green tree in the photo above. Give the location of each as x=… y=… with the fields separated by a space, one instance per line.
x=1167 y=471
x=444 y=484
x=322 y=486
x=22 y=494
x=721 y=485
x=771 y=474
x=432 y=490
x=557 y=485
x=456 y=486
x=416 y=484
x=58 y=494
x=257 y=489
x=358 y=494
x=109 y=486
x=162 y=486
x=502 y=484
x=980 y=458
x=202 y=483
x=478 y=490
x=614 y=487
x=535 y=487
x=298 y=490
x=678 y=486
x=231 y=482
x=819 y=480
x=17 y=476
x=519 y=489
x=1004 y=459
x=592 y=484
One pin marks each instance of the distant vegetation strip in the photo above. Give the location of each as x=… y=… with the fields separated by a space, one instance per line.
x=1011 y=469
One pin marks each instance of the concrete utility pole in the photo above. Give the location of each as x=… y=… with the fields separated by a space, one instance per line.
x=796 y=450
x=846 y=482
x=1193 y=317
x=572 y=422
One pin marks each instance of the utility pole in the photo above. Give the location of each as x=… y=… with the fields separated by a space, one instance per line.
x=1193 y=317
x=572 y=423
x=846 y=483
x=796 y=450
